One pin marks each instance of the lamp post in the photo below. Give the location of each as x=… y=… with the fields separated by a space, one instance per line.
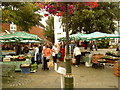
x=68 y=77
x=118 y=20
x=118 y=34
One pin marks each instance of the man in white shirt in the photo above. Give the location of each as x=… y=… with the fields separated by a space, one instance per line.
x=77 y=54
x=36 y=50
x=55 y=51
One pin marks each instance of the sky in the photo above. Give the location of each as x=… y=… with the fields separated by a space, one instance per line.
x=43 y=18
x=43 y=21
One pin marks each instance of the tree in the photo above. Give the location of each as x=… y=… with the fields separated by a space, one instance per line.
x=82 y=21
x=22 y=14
x=28 y=17
x=96 y=19
x=105 y=16
x=116 y=11
x=49 y=33
x=85 y=16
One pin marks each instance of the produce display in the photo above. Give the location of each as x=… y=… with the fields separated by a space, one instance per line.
x=116 y=68
x=34 y=67
x=110 y=58
x=113 y=54
x=102 y=61
x=16 y=58
x=96 y=58
x=8 y=52
x=113 y=58
x=25 y=66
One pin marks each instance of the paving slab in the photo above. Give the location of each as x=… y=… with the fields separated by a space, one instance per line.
x=84 y=77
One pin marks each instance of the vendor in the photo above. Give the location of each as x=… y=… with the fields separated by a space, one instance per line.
x=18 y=49
x=25 y=49
x=5 y=47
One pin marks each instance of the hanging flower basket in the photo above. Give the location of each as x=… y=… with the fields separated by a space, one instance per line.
x=45 y=15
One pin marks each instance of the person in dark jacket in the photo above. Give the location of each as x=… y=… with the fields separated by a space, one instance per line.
x=40 y=53
x=25 y=49
x=18 y=49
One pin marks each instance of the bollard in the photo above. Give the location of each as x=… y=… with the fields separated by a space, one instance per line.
x=68 y=82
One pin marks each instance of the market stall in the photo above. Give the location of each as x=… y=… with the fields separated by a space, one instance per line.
x=111 y=58
x=91 y=36
x=19 y=36
x=97 y=61
x=12 y=57
x=16 y=60
x=21 y=62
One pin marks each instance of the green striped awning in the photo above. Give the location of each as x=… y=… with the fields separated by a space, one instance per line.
x=19 y=36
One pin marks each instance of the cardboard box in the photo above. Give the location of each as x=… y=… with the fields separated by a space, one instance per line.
x=6 y=59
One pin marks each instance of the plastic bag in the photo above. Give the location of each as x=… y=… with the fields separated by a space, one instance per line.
x=73 y=60
x=50 y=64
x=59 y=55
x=48 y=57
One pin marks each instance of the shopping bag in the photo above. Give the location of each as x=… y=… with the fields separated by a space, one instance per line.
x=64 y=58
x=53 y=54
x=48 y=57
x=50 y=64
x=55 y=66
x=59 y=55
x=87 y=64
x=73 y=60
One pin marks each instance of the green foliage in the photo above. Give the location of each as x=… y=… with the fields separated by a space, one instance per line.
x=49 y=33
x=28 y=17
x=104 y=43
x=97 y=19
x=8 y=15
x=22 y=14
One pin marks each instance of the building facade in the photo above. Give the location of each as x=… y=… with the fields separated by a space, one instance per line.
x=58 y=29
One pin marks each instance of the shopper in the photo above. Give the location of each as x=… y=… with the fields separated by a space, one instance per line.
x=40 y=53
x=118 y=46
x=95 y=45
x=36 y=51
x=72 y=46
x=62 y=51
x=46 y=57
x=91 y=46
x=77 y=54
x=25 y=49
x=18 y=49
x=44 y=47
x=55 y=51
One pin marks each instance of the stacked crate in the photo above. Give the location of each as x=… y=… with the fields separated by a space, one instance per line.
x=96 y=57
x=116 y=68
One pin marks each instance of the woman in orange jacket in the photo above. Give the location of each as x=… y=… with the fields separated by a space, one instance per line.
x=46 y=57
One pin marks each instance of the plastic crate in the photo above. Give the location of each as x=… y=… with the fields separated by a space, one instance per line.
x=25 y=70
